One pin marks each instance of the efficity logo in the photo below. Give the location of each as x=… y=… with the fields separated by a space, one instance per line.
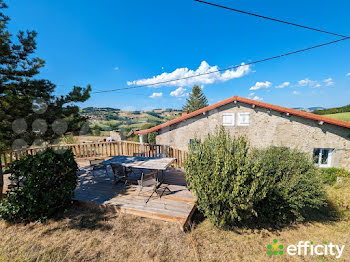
x=305 y=248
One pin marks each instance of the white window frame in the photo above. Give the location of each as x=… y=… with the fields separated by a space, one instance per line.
x=329 y=159
x=239 y=119
x=232 y=115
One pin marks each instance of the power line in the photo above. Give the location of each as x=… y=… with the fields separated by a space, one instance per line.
x=272 y=19
x=238 y=66
x=126 y=93
x=224 y=69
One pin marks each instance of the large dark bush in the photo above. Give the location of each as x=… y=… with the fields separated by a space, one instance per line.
x=295 y=192
x=45 y=184
x=235 y=185
x=225 y=179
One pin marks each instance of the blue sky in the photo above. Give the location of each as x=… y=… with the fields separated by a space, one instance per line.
x=110 y=43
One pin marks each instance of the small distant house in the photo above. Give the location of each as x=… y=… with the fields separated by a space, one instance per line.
x=327 y=139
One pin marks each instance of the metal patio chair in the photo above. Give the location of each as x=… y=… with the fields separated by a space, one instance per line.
x=122 y=174
x=95 y=164
x=118 y=173
x=139 y=154
x=150 y=180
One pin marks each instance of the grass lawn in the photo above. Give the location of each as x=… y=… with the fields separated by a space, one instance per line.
x=83 y=234
x=341 y=116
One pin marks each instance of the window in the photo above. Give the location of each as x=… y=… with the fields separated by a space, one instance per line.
x=322 y=157
x=192 y=141
x=243 y=119
x=228 y=119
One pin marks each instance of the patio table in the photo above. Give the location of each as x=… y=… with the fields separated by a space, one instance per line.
x=141 y=162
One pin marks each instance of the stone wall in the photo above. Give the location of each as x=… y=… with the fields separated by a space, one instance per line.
x=267 y=127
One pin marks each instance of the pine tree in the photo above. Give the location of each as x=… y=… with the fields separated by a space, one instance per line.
x=197 y=100
x=20 y=86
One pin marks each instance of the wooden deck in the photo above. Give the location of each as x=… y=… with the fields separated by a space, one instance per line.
x=99 y=189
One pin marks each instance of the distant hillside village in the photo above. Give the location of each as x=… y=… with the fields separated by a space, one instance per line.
x=309 y=109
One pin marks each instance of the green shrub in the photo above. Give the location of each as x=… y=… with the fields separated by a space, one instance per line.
x=45 y=185
x=68 y=139
x=339 y=197
x=225 y=179
x=233 y=185
x=295 y=191
x=151 y=137
x=329 y=175
x=96 y=132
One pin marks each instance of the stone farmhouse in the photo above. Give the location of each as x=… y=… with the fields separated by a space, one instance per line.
x=327 y=139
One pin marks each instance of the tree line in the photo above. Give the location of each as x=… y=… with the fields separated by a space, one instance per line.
x=333 y=110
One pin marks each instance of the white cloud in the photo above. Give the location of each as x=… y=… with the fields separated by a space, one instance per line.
x=257 y=98
x=251 y=94
x=179 y=92
x=348 y=74
x=296 y=92
x=204 y=68
x=116 y=68
x=284 y=84
x=260 y=85
x=156 y=95
x=329 y=82
x=313 y=83
x=308 y=83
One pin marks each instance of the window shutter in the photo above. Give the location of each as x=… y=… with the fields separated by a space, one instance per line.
x=228 y=119
x=243 y=119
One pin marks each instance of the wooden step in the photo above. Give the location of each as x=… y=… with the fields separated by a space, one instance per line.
x=161 y=204
x=137 y=212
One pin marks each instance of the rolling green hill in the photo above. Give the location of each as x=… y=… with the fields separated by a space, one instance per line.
x=108 y=119
x=334 y=110
x=340 y=116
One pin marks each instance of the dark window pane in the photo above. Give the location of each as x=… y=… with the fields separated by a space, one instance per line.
x=324 y=158
x=316 y=155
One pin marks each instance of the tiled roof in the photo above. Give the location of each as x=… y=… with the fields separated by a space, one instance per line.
x=282 y=109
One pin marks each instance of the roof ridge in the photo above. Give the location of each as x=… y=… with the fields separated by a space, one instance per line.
x=296 y=112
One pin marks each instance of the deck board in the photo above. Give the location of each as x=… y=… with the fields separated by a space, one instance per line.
x=99 y=189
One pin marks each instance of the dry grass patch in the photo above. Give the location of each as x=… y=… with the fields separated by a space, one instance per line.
x=86 y=234
x=339 y=194
x=250 y=245
x=90 y=234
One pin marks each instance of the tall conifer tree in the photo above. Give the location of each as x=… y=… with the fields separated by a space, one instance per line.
x=197 y=100
x=23 y=122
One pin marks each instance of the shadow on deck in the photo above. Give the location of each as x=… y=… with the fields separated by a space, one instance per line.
x=98 y=188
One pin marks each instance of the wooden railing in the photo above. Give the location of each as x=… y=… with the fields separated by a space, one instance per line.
x=105 y=149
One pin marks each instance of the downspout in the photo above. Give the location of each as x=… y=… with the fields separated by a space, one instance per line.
x=143 y=141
